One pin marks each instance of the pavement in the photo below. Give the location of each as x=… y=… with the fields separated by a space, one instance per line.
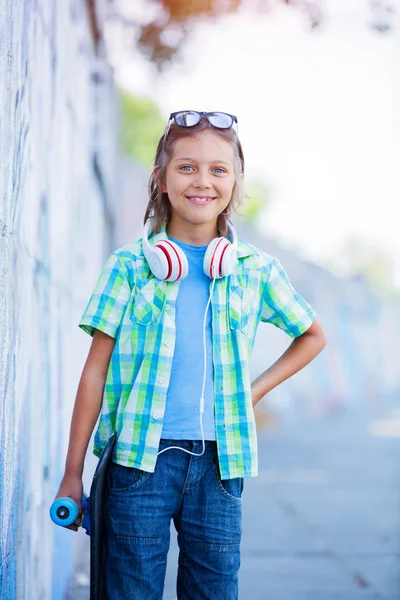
x=322 y=519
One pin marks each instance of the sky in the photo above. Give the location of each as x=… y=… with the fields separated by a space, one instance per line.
x=318 y=118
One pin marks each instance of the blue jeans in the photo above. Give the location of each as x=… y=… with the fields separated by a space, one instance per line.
x=207 y=514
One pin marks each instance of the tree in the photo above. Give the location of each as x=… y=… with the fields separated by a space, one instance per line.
x=257 y=200
x=141 y=127
x=361 y=256
x=164 y=25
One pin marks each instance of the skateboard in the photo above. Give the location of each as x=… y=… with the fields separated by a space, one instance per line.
x=96 y=509
x=64 y=511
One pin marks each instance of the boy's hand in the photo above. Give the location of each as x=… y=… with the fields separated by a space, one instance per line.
x=72 y=487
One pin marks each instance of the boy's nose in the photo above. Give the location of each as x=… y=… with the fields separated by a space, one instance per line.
x=202 y=181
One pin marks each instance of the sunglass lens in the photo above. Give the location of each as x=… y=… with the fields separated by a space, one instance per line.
x=220 y=120
x=187 y=118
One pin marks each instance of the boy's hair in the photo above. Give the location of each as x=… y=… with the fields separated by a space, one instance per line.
x=159 y=207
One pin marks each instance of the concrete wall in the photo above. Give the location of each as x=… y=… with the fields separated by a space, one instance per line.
x=57 y=183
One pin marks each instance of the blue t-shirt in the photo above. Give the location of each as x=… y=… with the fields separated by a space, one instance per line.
x=182 y=413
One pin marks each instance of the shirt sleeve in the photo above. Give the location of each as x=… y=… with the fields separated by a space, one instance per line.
x=282 y=305
x=108 y=301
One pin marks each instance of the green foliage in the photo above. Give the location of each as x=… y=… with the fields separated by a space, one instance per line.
x=257 y=198
x=141 y=127
x=369 y=259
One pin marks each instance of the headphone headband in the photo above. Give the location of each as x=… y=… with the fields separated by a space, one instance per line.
x=147 y=248
x=233 y=233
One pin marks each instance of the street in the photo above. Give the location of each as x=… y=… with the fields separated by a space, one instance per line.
x=322 y=519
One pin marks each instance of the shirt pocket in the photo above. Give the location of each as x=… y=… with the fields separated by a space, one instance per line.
x=149 y=301
x=239 y=308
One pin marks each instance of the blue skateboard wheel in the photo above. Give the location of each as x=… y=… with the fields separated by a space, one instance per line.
x=64 y=511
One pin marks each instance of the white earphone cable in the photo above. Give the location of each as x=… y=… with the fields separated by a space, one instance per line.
x=204 y=383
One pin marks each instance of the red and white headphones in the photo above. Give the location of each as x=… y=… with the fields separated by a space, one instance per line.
x=168 y=261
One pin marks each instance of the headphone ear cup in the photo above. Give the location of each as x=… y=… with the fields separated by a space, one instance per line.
x=214 y=257
x=174 y=259
x=158 y=263
x=229 y=260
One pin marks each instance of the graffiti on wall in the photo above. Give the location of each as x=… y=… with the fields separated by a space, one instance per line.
x=57 y=173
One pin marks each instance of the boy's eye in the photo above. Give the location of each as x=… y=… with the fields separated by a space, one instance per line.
x=187 y=168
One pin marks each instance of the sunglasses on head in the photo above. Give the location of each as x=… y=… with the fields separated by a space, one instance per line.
x=190 y=118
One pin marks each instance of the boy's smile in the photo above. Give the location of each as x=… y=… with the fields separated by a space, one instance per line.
x=200 y=180
x=200 y=199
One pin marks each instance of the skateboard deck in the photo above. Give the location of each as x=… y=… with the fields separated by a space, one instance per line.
x=97 y=516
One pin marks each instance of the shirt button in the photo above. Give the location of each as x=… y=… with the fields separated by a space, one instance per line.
x=157 y=414
x=167 y=307
x=161 y=380
x=166 y=343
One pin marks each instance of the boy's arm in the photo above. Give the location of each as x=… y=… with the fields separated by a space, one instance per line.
x=301 y=351
x=87 y=407
x=88 y=401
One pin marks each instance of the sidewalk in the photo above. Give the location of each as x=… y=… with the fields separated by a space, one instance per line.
x=322 y=519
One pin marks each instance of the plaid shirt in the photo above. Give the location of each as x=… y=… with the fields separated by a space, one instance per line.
x=131 y=305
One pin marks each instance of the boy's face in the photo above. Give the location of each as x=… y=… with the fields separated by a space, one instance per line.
x=200 y=179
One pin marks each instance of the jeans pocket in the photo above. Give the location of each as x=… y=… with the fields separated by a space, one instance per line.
x=231 y=489
x=124 y=479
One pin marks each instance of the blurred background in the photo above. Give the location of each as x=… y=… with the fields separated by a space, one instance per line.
x=87 y=88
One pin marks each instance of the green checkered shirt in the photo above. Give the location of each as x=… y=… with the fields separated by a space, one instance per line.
x=131 y=305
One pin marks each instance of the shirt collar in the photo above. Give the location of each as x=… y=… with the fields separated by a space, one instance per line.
x=243 y=248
